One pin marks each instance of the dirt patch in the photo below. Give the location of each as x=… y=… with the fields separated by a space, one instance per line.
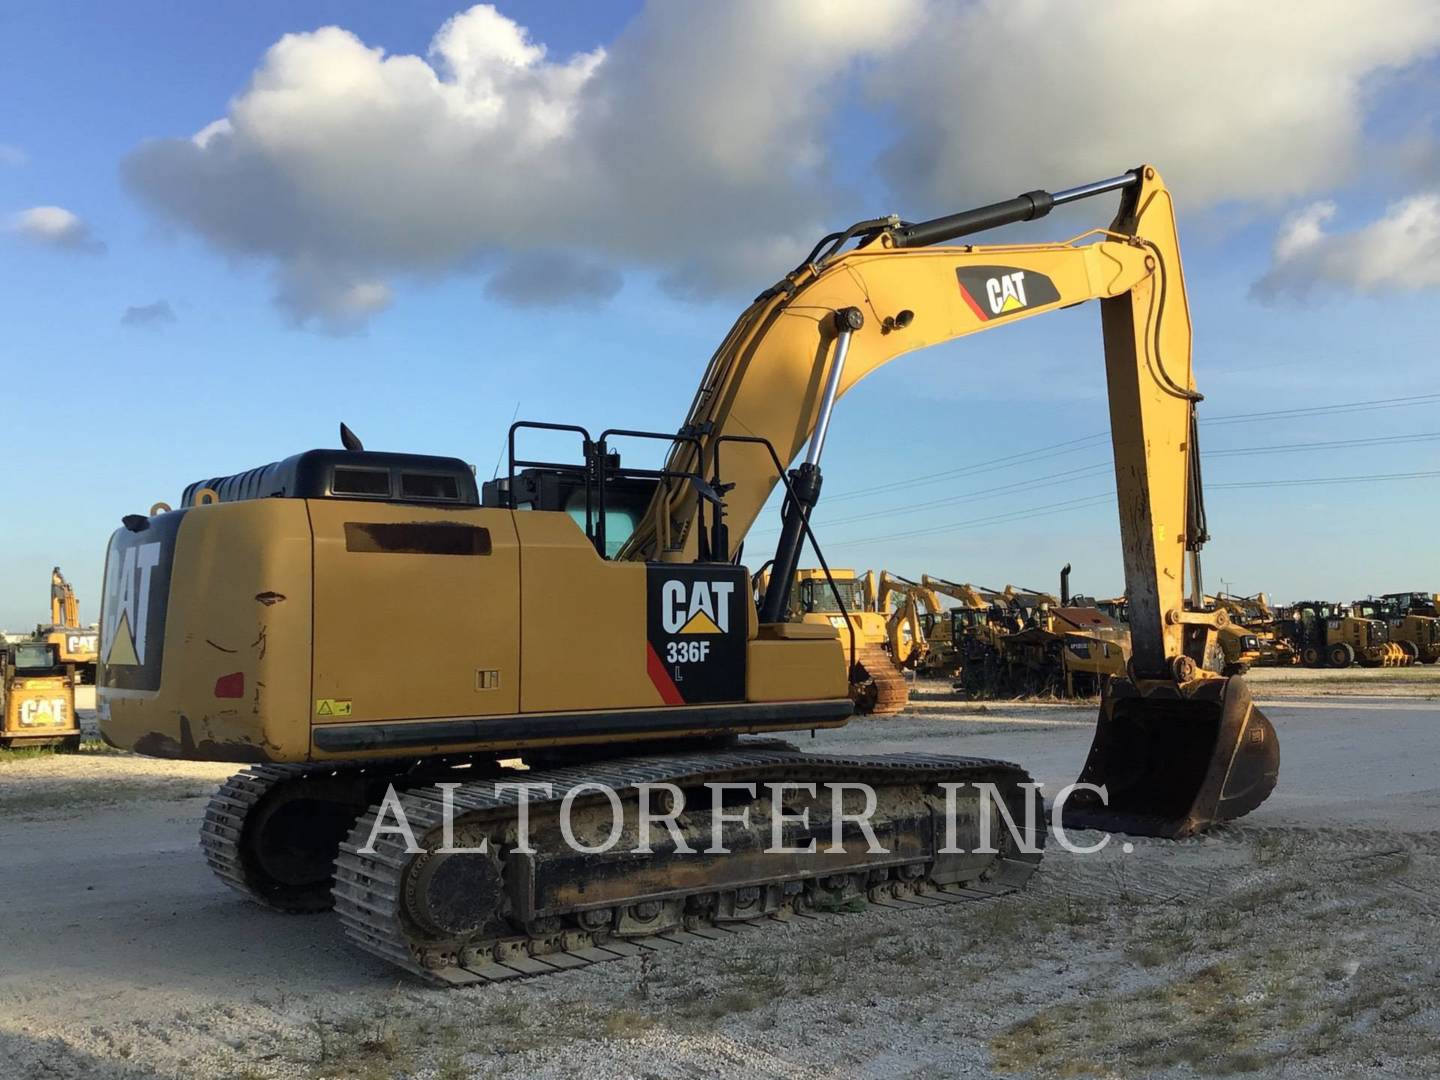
x=41 y=783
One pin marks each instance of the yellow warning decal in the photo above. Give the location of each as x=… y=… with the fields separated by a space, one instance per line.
x=700 y=623
x=329 y=706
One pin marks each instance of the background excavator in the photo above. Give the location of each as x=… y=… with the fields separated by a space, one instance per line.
x=277 y=659
x=915 y=626
x=974 y=626
x=849 y=602
x=75 y=644
x=1039 y=644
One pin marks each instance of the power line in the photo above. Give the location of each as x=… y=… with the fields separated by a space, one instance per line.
x=1006 y=462
x=1326 y=410
x=1056 y=449
x=1329 y=444
x=1086 y=501
x=1327 y=480
x=993 y=519
x=1066 y=477
x=1070 y=475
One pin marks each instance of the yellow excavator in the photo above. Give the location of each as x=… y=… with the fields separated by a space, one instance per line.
x=75 y=645
x=286 y=616
x=971 y=631
x=849 y=601
x=915 y=623
x=1064 y=647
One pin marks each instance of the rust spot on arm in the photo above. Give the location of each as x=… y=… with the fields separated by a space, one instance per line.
x=268 y=598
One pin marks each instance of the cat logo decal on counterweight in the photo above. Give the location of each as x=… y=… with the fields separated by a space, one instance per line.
x=696 y=633
x=696 y=607
x=134 y=604
x=993 y=292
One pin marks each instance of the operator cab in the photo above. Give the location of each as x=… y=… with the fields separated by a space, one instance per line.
x=567 y=489
x=33 y=658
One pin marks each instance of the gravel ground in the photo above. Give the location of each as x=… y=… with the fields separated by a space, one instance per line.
x=1298 y=943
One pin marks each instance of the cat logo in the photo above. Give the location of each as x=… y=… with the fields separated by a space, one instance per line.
x=992 y=292
x=42 y=712
x=696 y=606
x=127 y=607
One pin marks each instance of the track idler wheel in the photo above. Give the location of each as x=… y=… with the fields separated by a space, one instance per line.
x=1175 y=760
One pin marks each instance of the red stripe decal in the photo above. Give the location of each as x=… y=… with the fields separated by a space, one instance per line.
x=661 y=678
x=979 y=314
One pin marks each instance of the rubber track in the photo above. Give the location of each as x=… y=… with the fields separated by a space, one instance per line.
x=368 y=887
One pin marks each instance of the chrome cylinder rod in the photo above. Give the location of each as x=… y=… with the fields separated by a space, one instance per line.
x=847 y=321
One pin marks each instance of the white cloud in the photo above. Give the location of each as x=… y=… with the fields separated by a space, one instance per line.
x=12 y=155
x=1399 y=250
x=704 y=143
x=1231 y=99
x=54 y=226
x=692 y=145
x=328 y=297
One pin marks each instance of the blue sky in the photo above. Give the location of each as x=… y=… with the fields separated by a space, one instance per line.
x=411 y=315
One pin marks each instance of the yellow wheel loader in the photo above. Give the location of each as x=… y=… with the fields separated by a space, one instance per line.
x=37 y=697
x=597 y=626
x=876 y=685
x=1331 y=635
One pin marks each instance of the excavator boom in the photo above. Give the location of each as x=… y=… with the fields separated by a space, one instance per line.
x=1176 y=747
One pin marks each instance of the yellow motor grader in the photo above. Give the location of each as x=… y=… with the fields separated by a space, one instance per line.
x=598 y=625
x=1332 y=635
x=1412 y=622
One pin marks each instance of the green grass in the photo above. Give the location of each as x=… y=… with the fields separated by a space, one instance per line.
x=30 y=753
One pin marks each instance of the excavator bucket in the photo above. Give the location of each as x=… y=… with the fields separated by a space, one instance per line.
x=1174 y=765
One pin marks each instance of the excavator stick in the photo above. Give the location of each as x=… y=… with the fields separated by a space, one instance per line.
x=1174 y=762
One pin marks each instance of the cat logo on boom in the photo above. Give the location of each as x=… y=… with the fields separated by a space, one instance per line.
x=993 y=292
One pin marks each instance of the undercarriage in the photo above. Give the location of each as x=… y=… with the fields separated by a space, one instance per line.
x=535 y=901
